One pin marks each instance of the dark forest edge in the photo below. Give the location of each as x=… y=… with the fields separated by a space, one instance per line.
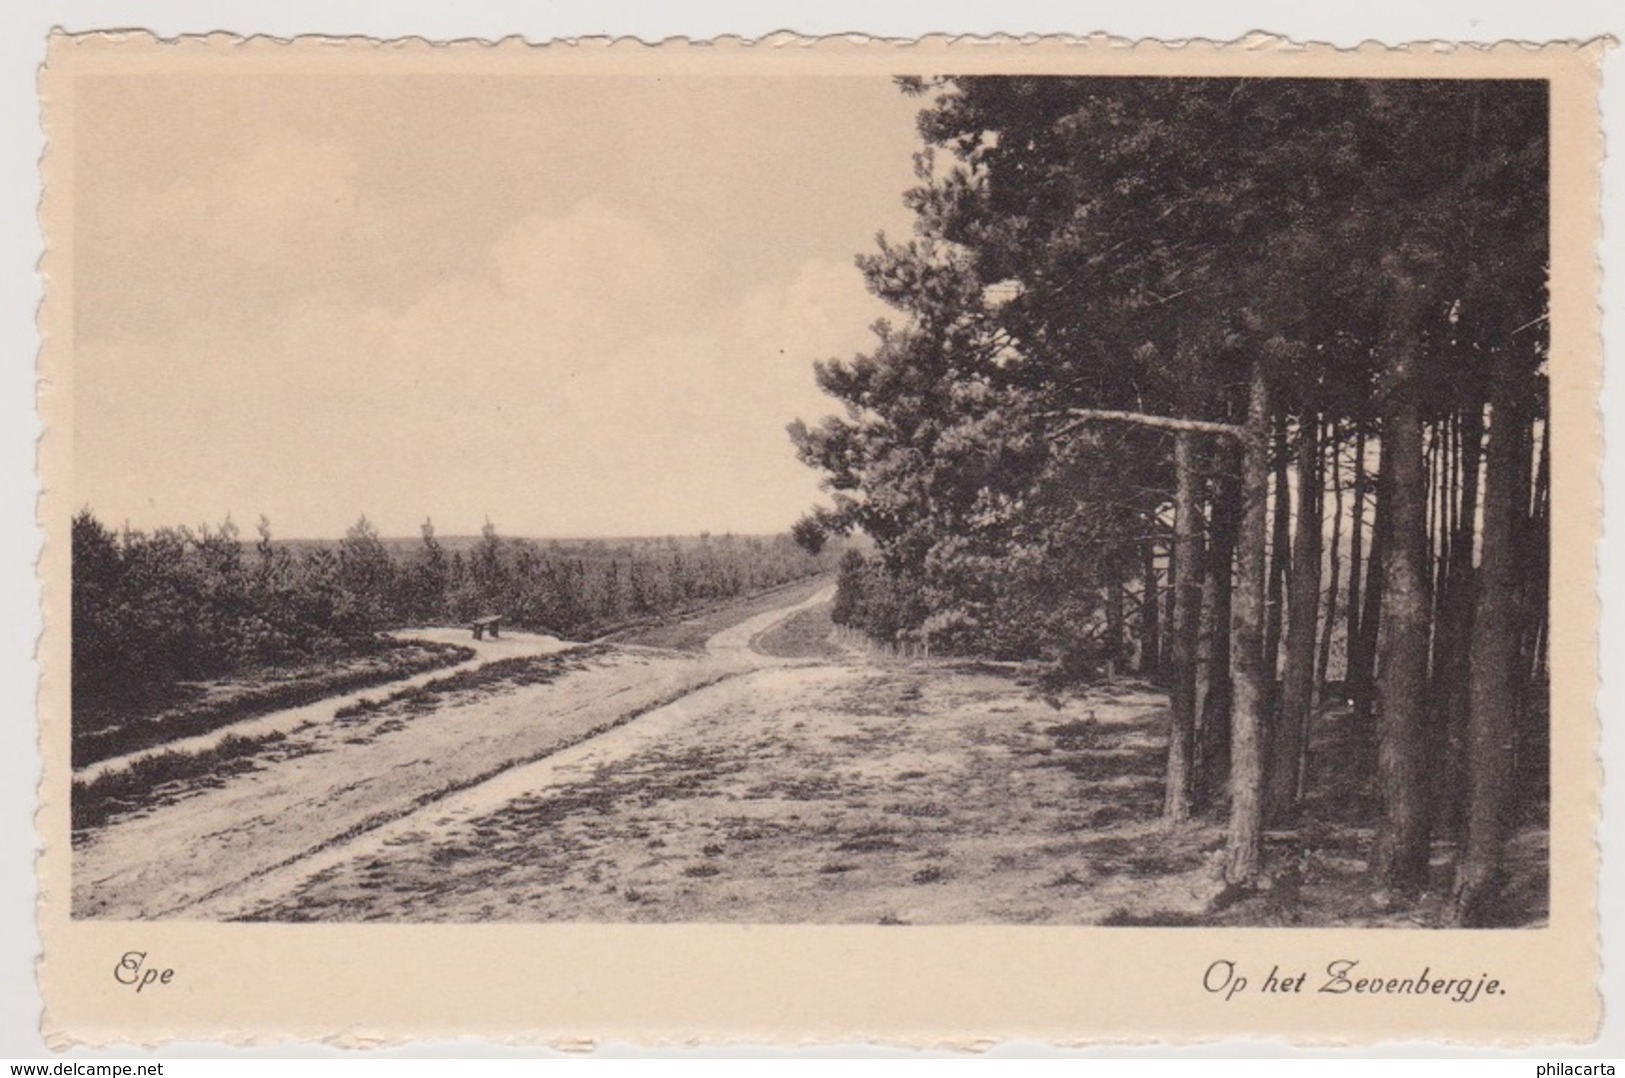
x=180 y=631
x=1240 y=384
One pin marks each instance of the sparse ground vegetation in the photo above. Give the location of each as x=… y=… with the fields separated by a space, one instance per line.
x=634 y=784
x=105 y=732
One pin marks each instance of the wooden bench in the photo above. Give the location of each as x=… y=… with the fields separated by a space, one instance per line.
x=491 y=622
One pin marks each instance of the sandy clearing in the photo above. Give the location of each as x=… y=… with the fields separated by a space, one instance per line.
x=486 y=651
x=745 y=787
x=656 y=785
x=455 y=810
x=825 y=793
x=333 y=779
x=734 y=646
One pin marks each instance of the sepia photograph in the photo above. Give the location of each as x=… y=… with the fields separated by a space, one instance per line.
x=593 y=494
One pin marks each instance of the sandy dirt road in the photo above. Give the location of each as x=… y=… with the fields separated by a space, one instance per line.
x=330 y=781
x=847 y=792
x=729 y=785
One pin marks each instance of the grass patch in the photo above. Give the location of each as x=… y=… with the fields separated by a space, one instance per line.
x=521 y=813
x=803 y=635
x=456 y=688
x=928 y=810
x=690 y=629
x=1077 y=736
x=130 y=789
x=233 y=701
x=871 y=842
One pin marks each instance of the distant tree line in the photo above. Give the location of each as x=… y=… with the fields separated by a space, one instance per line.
x=1213 y=375
x=154 y=608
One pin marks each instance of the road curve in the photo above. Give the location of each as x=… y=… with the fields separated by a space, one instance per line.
x=739 y=641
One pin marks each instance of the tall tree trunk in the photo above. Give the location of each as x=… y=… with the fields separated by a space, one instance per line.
x=1435 y=437
x=1187 y=593
x=1453 y=494
x=1356 y=560
x=1458 y=447
x=1280 y=562
x=1324 y=660
x=1400 y=860
x=1454 y=630
x=1531 y=773
x=1114 y=621
x=1165 y=664
x=1218 y=587
x=1539 y=545
x=1204 y=629
x=1298 y=677
x=1472 y=440
x=1150 y=637
x=1494 y=685
x=1245 y=840
x=1436 y=531
x=1363 y=678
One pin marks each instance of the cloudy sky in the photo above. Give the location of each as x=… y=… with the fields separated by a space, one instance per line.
x=574 y=306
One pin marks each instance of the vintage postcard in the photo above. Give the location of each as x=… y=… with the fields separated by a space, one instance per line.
x=805 y=541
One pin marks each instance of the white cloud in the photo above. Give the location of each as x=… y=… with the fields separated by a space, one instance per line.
x=578 y=390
